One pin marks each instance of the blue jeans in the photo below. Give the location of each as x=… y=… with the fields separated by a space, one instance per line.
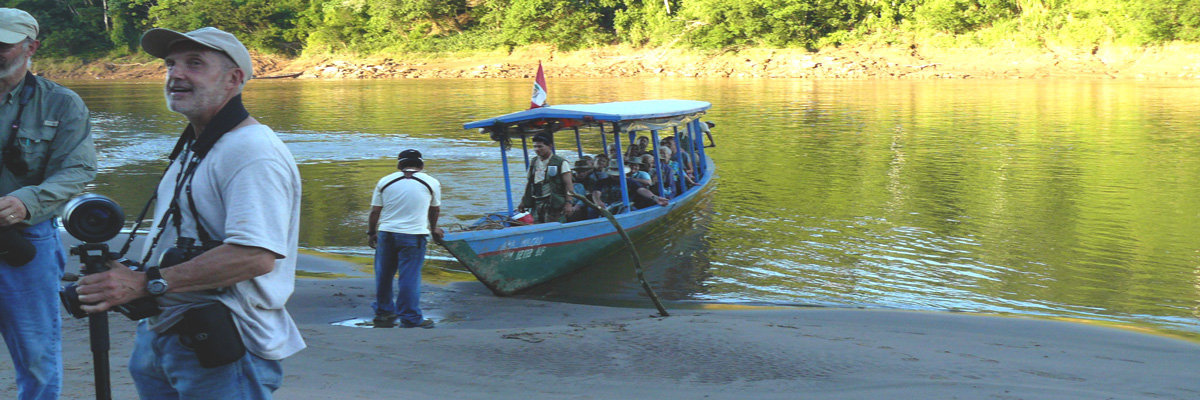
x=403 y=254
x=29 y=314
x=162 y=368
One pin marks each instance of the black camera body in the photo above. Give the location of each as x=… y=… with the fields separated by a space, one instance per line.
x=185 y=249
x=15 y=249
x=93 y=253
x=94 y=220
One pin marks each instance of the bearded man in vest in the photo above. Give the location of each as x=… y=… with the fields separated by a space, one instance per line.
x=549 y=184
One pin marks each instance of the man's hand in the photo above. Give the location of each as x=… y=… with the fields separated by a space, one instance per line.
x=103 y=291
x=438 y=234
x=372 y=239
x=12 y=211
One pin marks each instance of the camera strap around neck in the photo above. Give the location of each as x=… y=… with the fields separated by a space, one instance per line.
x=196 y=147
x=28 y=86
x=184 y=184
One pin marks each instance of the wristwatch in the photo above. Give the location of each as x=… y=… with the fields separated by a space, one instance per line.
x=155 y=284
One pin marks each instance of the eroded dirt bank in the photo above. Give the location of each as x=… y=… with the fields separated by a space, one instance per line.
x=1167 y=62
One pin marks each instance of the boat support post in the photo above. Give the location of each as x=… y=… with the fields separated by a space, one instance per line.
x=681 y=175
x=621 y=167
x=603 y=144
x=657 y=162
x=701 y=156
x=696 y=155
x=507 y=179
x=525 y=151
x=637 y=261
x=578 y=143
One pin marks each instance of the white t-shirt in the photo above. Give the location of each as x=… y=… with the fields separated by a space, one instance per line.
x=406 y=203
x=247 y=192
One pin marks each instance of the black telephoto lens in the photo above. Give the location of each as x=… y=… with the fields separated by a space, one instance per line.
x=93 y=218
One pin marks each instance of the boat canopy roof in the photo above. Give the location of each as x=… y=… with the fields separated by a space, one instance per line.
x=629 y=115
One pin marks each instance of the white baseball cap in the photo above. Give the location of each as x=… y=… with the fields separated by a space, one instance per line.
x=16 y=25
x=158 y=42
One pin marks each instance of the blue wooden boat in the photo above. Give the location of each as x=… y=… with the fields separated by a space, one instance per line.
x=509 y=257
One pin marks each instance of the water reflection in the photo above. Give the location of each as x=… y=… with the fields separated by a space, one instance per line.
x=1066 y=198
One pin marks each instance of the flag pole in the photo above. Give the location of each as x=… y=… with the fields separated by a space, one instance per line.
x=539 y=89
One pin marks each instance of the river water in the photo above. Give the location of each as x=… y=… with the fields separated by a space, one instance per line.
x=1064 y=198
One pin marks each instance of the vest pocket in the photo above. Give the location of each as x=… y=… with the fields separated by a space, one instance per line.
x=34 y=143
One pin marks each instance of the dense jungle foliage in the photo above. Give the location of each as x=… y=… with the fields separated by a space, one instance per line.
x=293 y=27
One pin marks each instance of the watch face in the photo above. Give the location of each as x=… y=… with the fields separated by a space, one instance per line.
x=156 y=287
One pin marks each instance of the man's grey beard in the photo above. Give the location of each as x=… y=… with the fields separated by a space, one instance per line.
x=14 y=66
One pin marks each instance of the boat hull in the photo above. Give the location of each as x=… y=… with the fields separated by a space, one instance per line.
x=513 y=259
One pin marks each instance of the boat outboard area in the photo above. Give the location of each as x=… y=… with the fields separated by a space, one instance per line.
x=652 y=163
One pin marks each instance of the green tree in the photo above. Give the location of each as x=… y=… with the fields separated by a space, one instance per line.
x=266 y=25
x=646 y=22
x=372 y=25
x=127 y=20
x=775 y=23
x=67 y=27
x=961 y=16
x=567 y=24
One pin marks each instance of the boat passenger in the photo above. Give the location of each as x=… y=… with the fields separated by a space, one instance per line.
x=638 y=148
x=632 y=151
x=672 y=170
x=648 y=168
x=584 y=180
x=599 y=163
x=646 y=165
x=669 y=178
x=599 y=172
x=643 y=142
x=685 y=160
x=548 y=184
x=636 y=173
x=608 y=193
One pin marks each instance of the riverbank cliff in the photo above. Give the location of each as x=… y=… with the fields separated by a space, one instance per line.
x=1181 y=61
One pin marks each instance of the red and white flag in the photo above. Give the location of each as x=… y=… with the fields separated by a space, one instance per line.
x=539 y=90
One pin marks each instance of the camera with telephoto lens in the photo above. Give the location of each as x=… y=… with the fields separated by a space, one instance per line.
x=94 y=220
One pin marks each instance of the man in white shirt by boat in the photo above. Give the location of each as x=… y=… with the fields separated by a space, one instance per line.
x=404 y=210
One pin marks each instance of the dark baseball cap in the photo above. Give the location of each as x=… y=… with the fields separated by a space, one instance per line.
x=410 y=160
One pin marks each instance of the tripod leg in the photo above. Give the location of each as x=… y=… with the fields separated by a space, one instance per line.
x=98 y=334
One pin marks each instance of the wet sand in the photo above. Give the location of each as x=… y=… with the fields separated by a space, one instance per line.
x=486 y=347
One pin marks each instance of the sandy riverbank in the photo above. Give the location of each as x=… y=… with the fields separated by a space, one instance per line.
x=486 y=347
x=1180 y=61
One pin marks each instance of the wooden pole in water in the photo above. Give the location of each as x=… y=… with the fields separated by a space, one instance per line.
x=637 y=261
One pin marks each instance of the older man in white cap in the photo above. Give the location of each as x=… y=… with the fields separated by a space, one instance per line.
x=222 y=258
x=47 y=156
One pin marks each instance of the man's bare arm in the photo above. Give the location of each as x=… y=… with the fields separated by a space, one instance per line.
x=222 y=266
